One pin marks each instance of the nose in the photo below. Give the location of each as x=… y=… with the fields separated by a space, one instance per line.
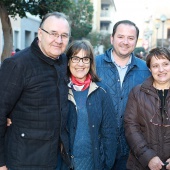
x=161 y=68
x=81 y=62
x=125 y=41
x=58 y=39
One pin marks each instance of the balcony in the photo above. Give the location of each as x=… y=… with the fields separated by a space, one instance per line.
x=110 y=2
x=104 y=13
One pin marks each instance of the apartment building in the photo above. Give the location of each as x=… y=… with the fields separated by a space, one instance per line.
x=103 y=17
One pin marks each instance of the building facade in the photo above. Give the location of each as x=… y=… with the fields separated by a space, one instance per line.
x=24 y=31
x=103 y=16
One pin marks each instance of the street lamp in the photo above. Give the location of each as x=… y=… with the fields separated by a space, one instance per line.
x=150 y=36
x=157 y=25
x=163 y=19
x=146 y=40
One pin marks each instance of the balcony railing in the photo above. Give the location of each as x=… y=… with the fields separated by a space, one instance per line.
x=104 y=13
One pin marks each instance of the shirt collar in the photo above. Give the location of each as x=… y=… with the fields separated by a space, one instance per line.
x=113 y=60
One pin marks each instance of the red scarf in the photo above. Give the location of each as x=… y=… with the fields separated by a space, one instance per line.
x=84 y=84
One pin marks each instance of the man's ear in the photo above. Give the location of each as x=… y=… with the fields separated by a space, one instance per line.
x=111 y=39
x=39 y=34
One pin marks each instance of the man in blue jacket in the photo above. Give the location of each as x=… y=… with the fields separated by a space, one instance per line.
x=33 y=90
x=120 y=70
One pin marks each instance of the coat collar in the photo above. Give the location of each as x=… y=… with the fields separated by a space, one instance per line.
x=37 y=51
x=107 y=58
x=147 y=86
x=93 y=86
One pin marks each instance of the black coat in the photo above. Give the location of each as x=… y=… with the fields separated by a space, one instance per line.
x=33 y=90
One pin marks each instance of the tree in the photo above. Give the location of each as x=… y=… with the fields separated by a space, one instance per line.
x=81 y=15
x=98 y=39
x=20 y=7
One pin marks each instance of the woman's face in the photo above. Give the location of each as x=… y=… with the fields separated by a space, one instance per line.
x=79 y=68
x=160 y=69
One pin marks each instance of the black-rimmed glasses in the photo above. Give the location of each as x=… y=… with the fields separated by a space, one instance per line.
x=85 y=60
x=54 y=35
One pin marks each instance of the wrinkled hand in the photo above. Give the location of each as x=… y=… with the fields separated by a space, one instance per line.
x=9 y=122
x=168 y=166
x=155 y=163
x=3 y=168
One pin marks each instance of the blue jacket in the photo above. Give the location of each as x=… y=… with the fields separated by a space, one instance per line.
x=101 y=122
x=137 y=72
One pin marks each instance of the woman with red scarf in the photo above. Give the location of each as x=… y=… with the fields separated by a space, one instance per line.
x=91 y=123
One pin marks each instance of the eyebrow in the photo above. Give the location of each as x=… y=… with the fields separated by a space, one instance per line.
x=52 y=31
x=80 y=57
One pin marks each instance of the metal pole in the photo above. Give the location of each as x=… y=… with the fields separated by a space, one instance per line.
x=162 y=33
x=157 y=37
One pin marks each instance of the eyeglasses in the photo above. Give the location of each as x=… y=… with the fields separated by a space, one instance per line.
x=159 y=120
x=85 y=60
x=54 y=35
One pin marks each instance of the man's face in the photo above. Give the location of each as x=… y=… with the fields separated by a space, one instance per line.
x=51 y=44
x=124 y=40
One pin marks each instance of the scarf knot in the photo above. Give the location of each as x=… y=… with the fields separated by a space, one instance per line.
x=79 y=85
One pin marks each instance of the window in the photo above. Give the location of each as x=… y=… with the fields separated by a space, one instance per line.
x=16 y=39
x=104 y=26
x=27 y=38
x=168 y=34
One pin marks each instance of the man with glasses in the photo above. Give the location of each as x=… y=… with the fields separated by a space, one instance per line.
x=34 y=92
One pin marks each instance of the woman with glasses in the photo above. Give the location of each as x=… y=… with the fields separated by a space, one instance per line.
x=147 y=116
x=92 y=122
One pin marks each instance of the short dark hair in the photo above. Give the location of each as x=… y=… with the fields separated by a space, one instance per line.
x=74 y=48
x=159 y=52
x=126 y=22
x=57 y=15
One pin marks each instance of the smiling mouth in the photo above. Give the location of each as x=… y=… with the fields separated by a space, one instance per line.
x=162 y=75
x=79 y=69
x=57 y=46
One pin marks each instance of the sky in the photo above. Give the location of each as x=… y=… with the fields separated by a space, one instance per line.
x=140 y=11
x=135 y=10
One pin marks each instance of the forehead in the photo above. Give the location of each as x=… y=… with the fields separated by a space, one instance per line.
x=80 y=53
x=159 y=59
x=53 y=23
x=126 y=29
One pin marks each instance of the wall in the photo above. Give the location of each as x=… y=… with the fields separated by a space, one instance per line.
x=24 y=31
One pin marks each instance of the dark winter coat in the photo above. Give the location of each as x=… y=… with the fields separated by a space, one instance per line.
x=137 y=72
x=145 y=139
x=33 y=90
x=102 y=124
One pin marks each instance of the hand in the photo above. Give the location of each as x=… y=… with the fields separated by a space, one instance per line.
x=155 y=163
x=3 y=168
x=9 y=122
x=168 y=166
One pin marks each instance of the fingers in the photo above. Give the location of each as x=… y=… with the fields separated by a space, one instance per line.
x=9 y=122
x=155 y=163
x=168 y=164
